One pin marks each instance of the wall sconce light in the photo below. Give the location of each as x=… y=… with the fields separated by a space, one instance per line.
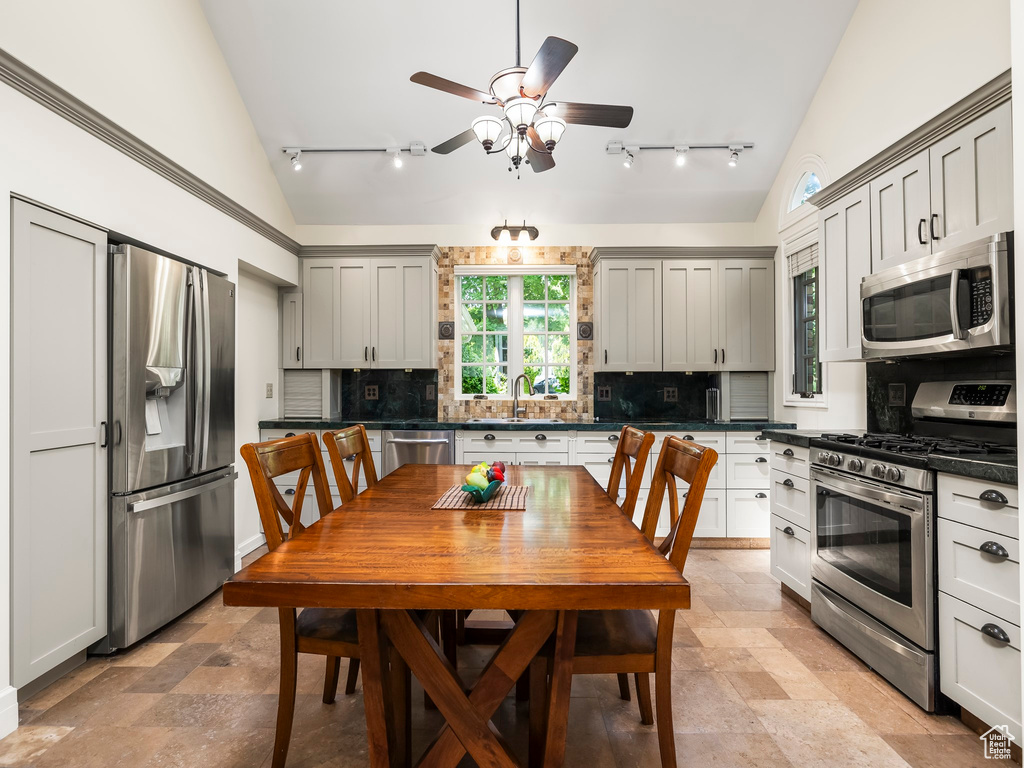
x=506 y=233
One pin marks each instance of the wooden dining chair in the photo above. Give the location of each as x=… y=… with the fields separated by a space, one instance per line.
x=633 y=641
x=631 y=453
x=326 y=632
x=350 y=446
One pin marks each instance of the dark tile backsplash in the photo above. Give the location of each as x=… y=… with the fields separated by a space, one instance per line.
x=400 y=395
x=883 y=417
x=641 y=395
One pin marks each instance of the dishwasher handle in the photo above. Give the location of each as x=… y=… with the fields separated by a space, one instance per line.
x=416 y=441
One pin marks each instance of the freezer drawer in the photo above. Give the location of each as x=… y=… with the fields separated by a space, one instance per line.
x=170 y=548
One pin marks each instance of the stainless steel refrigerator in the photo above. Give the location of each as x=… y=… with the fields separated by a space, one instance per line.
x=172 y=516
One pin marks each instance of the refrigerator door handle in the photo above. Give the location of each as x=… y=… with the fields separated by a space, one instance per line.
x=207 y=362
x=174 y=498
x=191 y=366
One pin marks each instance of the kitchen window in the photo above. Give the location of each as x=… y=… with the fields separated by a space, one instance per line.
x=513 y=323
x=806 y=368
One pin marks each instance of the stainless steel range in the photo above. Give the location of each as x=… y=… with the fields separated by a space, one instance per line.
x=873 y=531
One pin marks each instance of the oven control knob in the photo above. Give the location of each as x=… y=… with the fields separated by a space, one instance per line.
x=855 y=465
x=878 y=470
x=893 y=474
x=835 y=460
x=823 y=457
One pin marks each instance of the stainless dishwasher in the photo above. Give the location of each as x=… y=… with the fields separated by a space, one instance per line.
x=416 y=446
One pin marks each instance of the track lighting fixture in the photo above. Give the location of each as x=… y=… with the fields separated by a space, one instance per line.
x=629 y=152
x=681 y=156
x=415 y=149
x=396 y=158
x=627 y=161
x=734 y=156
x=506 y=233
x=296 y=161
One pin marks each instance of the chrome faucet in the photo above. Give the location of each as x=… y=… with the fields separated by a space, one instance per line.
x=515 y=394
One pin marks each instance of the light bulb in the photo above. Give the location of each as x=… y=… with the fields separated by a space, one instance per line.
x=628 y=161
x=396 y=158
x=733 y=159
x=296 y=161
x=681 y=156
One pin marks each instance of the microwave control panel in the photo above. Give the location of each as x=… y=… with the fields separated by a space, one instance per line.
x=990 y=395
x=981 y=296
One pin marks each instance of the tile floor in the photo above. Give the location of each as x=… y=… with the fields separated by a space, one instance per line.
x=755 y=684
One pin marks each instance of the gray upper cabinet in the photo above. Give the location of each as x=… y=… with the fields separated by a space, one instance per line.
x=844 y=232
x=369 y=312
x=629 y=315
x=58 y=436
x=291 y=327
x=691 y=317
x=900 y=207
x=972 y=181
x=746 y=309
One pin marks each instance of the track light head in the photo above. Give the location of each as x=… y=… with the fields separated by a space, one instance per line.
x=627 y=161
x=681 y=156
x=734 y=156
x=297 y=161
x=396 y=158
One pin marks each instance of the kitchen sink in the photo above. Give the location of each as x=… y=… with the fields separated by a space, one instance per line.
x=511 y=420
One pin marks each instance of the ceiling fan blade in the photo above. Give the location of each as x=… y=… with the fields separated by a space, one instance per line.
x=607 y=115
x=534 y=139
x=547 y=65
x=540 y=161
x=455 y=142
x=433 y=81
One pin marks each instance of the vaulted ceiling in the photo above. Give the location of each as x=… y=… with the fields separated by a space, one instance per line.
x=329 y=73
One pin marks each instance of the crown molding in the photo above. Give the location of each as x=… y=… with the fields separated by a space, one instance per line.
x=356 y=251
x=685 y=252
x=986 y=98
x=43 y=91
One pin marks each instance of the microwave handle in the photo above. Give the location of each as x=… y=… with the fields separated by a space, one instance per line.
x=954 y=304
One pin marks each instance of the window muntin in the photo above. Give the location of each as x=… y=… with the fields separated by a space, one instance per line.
x=484 y=346
x=807 y=368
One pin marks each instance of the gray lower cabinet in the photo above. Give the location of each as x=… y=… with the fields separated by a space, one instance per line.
x=58 y=454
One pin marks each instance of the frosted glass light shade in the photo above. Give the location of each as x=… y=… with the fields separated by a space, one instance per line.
x=520 y=112
x=517 y=147
x=550 y=130
x=487 y=130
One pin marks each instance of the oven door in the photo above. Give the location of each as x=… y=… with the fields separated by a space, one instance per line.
x=872 y=544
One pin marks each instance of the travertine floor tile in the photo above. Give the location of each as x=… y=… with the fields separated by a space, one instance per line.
x=756 y=685
x=144 y=655
x=29 y=742
x=857 y=691
x=711 y=637
x=104 y=747
x=961 y=751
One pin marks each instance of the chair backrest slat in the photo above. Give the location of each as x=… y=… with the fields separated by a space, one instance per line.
x=692 y=464
x=279 y=457
x=631 y=453
x=350 y=445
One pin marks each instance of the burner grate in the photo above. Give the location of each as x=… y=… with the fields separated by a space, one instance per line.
x=920 y=445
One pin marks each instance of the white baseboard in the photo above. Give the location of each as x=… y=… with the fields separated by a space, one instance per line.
x=8 y=710
x=246 y=547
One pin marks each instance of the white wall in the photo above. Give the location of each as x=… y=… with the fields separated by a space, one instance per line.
x=898 y=65
x=154 y=68
x=257 y=360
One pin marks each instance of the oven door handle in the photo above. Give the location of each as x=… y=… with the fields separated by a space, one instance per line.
x=896 y=647
x=891 y=499
x=954 y=304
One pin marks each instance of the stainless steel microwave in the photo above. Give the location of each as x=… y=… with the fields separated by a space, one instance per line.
x=956 y=301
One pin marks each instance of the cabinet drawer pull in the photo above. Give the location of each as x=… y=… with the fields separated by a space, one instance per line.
x=788 y=483
x=373 y=354
x=760 y=460
x=788 y=452
x=920 y=232
x=611 y=459
x=993 y=496
x=758 y=438
x=931 y=226
x=290 y=492
x=613 y=438
x=995 y=549
x=716 y=355
x=488 y=436
x=760 y=495
x=788 y=530
x=289 y=434
x=723 y=355
x=995 y=632
x=606 y=357
x=540 y=437
x=688 y=437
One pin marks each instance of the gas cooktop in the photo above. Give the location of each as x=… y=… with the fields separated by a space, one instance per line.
x=920 y=445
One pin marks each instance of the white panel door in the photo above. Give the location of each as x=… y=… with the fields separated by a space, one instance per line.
x=746 y=307
x=845 y=231
x=972 y=181
x=900 y=206
x=401 y=313
x=291 y=328
x=353 y=315
x=59 y=460
x=690 y=324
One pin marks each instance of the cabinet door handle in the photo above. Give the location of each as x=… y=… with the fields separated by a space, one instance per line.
x=920 y=231
x=103 y=434
x=290 y=492
x=289 y=434
x=760 y=460
x=995 y=632
x=606 y=356
x=760 y=495
x=716 y=355
x=723 y=355
x=993 y=496
x=540 y=437
x=759 y=438
x=788 y=530
x=488 y=436
x=611 y=459
x=788 y=452
x=995 y=549
x=298 y=354
x=788 y=483
x=366 y=354
x=613 y=438
x=931 y=226
x=373 y=354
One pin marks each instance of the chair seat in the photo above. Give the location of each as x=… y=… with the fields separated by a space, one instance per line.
x=327 y=624
x=614 y=633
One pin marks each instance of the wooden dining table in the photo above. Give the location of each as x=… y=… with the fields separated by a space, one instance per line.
x=392 y=557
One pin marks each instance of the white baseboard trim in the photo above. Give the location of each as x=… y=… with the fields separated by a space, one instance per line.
x=246 y=547
x=8 y=710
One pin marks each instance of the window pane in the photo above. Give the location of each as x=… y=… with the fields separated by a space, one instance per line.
x=533 y=287
x=472 y=349
x=497 y=315
x=558 y=348
x=558 y=317
x=472 y=288
x=558 y=287
x=472 y=380
x=497 y=349
x=533 y=373
x=497 y=380
x=472 y=317
x=497 y=288
x=533 y=317
x=558 y=381
x=533 y=349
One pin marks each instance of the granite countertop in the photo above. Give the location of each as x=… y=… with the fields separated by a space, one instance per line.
x=801 y=437
x=590 y=426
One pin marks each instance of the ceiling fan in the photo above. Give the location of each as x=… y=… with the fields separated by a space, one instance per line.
x=532 y=124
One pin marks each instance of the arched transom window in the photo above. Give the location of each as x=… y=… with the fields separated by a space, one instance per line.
x=809 y=184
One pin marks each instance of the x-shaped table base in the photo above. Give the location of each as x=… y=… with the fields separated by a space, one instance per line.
x=468 y=727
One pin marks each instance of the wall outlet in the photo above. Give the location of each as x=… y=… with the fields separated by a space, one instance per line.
x=270 y=391
x=431 y=392
x=604 y=394
x=370 y=392
x=897 y=394
x=671 y=394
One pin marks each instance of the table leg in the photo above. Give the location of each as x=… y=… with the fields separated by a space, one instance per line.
x=376 y=691
x=561 y=684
